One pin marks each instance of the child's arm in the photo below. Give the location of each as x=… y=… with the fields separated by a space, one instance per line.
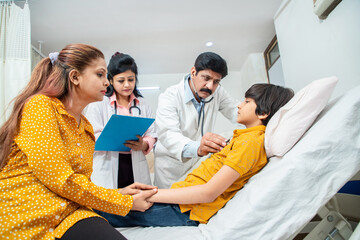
x=204 y=193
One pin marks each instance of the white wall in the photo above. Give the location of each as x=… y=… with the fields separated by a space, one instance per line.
x=235 y=83
x=253 y=71
x=157 y=80
x=276 y=73
x=311 y=48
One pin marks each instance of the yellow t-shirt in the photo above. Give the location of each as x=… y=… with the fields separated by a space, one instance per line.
x=45 y=186
x=245 y=154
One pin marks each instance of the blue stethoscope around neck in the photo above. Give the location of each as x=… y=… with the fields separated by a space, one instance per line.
x=130 y=109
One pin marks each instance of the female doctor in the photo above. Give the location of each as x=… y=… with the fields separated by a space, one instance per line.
x=119 y=169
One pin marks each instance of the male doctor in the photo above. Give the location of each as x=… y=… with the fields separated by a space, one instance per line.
x=186 y=116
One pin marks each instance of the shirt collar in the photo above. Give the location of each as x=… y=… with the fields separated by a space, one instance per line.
x=84 y=123
x=60 y=106
x=260 y=128
x=87 y=126
x=112 y=99
x=188 y=94
x=132 y=97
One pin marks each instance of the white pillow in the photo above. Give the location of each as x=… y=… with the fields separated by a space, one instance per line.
x=287 y=126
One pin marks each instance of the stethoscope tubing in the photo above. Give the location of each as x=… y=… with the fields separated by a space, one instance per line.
x=202 y=107
x=130 y=109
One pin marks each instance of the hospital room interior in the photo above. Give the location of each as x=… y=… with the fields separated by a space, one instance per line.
x=312 y=190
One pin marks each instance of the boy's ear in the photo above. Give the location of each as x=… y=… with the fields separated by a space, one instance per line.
x=263 y=116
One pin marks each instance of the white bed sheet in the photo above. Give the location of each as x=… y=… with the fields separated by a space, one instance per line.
x=278 y=201
x=162 y=233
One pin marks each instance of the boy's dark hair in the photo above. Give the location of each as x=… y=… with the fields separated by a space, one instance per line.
x=120 y=63
x=212 y=61
x=269 y=98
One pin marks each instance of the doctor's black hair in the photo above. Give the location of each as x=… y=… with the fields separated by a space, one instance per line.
x=269 y=98
x=120 y=63
x=211 y=61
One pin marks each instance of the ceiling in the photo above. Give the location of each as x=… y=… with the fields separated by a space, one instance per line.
x=163 y=36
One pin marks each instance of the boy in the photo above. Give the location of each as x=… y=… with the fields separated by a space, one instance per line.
x=210 y=186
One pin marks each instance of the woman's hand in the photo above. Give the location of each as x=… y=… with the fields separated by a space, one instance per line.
x=140 y=202
x=135 y=188
x=138 y=145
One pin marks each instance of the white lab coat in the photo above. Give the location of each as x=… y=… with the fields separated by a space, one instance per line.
x=106 y=163
x=177 y=124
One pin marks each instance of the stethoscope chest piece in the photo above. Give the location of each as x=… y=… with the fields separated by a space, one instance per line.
x=135 y=107
x=130 y=109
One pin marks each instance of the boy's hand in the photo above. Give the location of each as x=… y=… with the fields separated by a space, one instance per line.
x=135 y=188
x=140 y=200
x=211 y=143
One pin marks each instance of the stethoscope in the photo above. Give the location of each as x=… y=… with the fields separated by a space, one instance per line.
x=130 y=109
x=202 y=106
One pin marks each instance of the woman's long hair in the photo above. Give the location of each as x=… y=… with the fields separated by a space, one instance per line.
x=48 y=78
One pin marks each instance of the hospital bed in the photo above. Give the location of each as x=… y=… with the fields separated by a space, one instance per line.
x=290 y=190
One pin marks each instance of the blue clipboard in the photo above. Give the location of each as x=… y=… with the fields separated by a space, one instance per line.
x=119 y=129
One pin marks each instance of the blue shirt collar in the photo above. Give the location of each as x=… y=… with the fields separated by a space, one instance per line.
x=188 y=94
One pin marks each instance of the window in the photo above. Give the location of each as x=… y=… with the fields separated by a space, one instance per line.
x=273 y=63
x=271 y=53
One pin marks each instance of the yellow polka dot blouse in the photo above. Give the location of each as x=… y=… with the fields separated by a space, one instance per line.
x=45 y=186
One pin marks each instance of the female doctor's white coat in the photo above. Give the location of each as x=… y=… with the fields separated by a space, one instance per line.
x=106 y=163
x=177 y=125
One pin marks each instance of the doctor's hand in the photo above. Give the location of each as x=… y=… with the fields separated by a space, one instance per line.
x=140 y=202
x=211 y=143
x=138 y=145
x=135 y=188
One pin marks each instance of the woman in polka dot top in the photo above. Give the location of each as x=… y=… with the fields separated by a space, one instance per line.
x=46 y=149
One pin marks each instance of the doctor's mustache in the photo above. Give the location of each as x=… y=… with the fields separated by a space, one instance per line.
x=206 y=90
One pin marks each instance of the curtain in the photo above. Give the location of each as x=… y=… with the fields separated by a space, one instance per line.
x=15 y=53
